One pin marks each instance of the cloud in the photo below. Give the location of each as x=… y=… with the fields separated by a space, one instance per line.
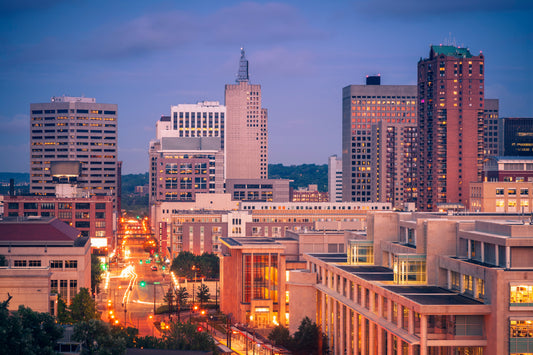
x=412 y=8
x=18 y=124
x=285 y=61
x=244 y=23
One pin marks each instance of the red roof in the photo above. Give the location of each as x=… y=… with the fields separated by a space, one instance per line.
x=52 y=230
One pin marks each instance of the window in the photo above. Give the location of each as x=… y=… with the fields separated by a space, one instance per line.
x=83 y=206
x=73 y=288
x=71 y=264
x=53 y=286
x=48 y=206
x=469 y=325
x=499 y=192
x=65 y=206
x=99 y=215
x=63 y=286
x=56 y=264
x=456 y=279
x=511 y=192
x=521 y=295
x=13 y=205
x=100 y=224
x=30 y=206
x=82 y=215
x=83 y=224
x=65 y=215
x=34 y=263
x=524 y=192
x=99 y=206
x=20 y=263
x=521 y=337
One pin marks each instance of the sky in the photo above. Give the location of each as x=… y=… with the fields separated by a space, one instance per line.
x=148 y=55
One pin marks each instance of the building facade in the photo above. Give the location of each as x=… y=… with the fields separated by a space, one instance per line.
x=450 y=125
x=501 y=197
x=423 y=284
x=394 y=163
x=517 y=135
x=45 y=259
x=362 y=106
x=265 y=190
x=492 y=125
x=309 y=194
x=246 y=140
x=74 y=129
x=93 y=217
x=508 y=169
x=335 y=179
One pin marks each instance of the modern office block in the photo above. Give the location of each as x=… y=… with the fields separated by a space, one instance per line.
x=362 y=106
x=450 y=126
x=517 y=136
x=74 y=129
x=491 y=128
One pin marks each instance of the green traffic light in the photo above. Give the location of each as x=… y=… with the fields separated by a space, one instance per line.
x=140 y=261
x=142 y=284
x=163 y=267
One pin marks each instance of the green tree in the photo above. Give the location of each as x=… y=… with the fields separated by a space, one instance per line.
x=203 y=294
x=208 y=265
x=280 y=336
x=27 y=332
x=183 y=264
x=181 y=300
x=308 y=339
x=3 y=261
x=185 y=336
x=83 y=307
x=96 y=272
x=63 y=312
x=149 y=342
x=97 y=337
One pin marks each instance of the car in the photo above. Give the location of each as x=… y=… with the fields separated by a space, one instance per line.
x=154 y=268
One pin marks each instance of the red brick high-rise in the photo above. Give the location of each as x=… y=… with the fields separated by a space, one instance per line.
x=450 y=125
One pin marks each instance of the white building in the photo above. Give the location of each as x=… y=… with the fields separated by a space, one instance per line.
x=335 y=179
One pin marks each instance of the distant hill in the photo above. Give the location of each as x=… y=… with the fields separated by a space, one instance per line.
x=303 y=174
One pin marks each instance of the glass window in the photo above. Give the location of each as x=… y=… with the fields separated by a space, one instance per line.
x=71 y=264
x=20 y=263
x=56 y=264
x=521 y=295
x=34 y=263
x=524 y=192
x=521 y=337
x=499 y=192
x=53 y=286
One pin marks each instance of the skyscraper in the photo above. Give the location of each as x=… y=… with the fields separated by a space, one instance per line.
x=246 y=139
x=450 y=125
x=335 y=179
x=491 y=128
x=74 y=129
x=362 y=106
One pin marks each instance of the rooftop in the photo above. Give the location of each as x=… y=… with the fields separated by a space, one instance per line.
x=43 y=229
x=451 y=51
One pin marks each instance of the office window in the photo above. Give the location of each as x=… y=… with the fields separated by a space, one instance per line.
x=73 y=288
x=521 y=295
x=53 y=286
x=71 y=264
x=34 y=263
x=56 y=264
x=521 y=337
x=20 y=263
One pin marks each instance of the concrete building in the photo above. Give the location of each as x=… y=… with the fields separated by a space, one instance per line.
x=265 y=190
x=492 y=125
x=187 y=157
x=517 y=134
x=362 y=106
x=394 y=163
x=309 y=194
x=335 y=179
x=450 y=126
x=198 y=227
x=518 y=169
x=74 y=129
x=501 y=197
x=45 y=259
x=423 y=284
x=246 y=140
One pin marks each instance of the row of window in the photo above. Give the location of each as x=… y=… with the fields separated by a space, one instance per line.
x=54 y=264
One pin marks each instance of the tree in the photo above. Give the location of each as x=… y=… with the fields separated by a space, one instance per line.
x=96 y=272
x=183 y=264
x=280 y=336
x=83 y=307
x=169 y=299
x=203 y=294
x=181 y=299
x=63 y=312
x=209 y=265
x=3 y=261
x=27 y=332
x=308 y=338
x=185 y=336
x=97 y=337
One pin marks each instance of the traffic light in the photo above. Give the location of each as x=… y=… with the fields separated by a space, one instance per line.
x=140 y=261
x=142 y=283
x=163 y=267
x=199 y=329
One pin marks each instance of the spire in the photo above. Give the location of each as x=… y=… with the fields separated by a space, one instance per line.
x=242 y=75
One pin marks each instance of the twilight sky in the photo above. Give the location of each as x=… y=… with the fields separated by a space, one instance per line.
x=148 y=55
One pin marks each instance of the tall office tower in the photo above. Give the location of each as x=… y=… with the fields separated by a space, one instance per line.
x=246 y=131
x=517 y=136
x=450 y=126
x=362 y=106
x=394 y=162
x=491 y=128
x=335 y=179
x=74 y=129
x=187 y=156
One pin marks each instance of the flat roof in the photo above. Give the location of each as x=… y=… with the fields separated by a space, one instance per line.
x=46 y=229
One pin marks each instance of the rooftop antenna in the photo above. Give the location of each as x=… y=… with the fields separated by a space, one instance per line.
x=242 y=75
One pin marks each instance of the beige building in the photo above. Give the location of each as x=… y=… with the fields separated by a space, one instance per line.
x=46 y=258
x=501 y=197
x=246 y=131
x=420 y=283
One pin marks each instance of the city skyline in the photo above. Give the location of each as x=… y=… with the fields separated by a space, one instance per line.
x=148 y=57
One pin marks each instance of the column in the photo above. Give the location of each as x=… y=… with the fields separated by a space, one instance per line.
x=379 y=333
x=507 y=257
x=482 y=252
x=497 y=250
x=399 y=315
x=336 y=337
x=468 y=249
x=389 y=343
x=423 y=334
x=411 y=325
x=364 y=345
x=328 y=321
x=449 y=279
x=342 y=330
x=355 y=321
x=380 y=306
x=348 y=331
x=323 y=310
